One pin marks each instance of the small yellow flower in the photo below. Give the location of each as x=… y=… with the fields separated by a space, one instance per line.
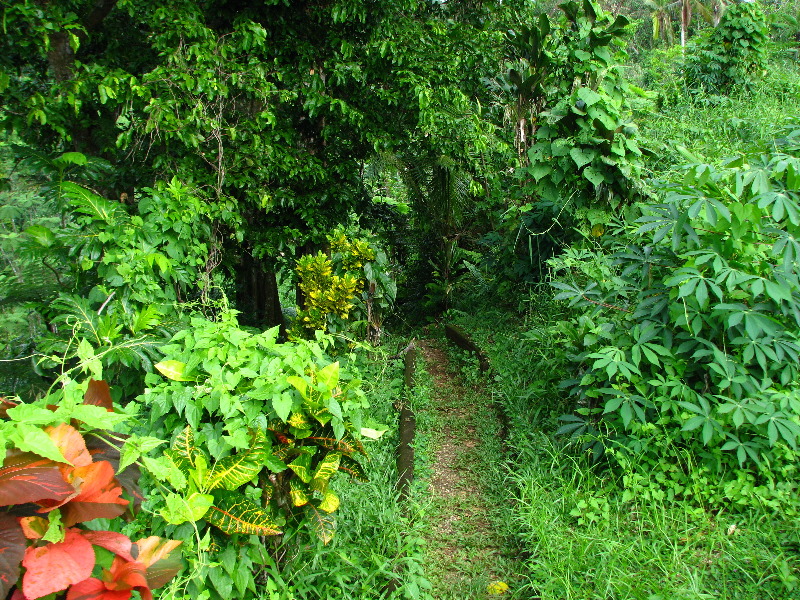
x=497 y=588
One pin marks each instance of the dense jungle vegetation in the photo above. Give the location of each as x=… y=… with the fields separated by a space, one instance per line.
x=225 y=223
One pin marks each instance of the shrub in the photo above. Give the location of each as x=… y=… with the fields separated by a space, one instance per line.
x=54 y=479
x=731 y=55
x=691 y=345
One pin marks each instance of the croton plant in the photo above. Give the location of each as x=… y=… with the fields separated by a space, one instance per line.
x=55 y=479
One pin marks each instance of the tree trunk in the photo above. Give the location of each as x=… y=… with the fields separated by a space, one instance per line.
x=257 y=295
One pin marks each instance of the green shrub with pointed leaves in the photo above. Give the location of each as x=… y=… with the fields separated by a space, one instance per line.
x=689 y=336
x=733 y=54
x=270 y=425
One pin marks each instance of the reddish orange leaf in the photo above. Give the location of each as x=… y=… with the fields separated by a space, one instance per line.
x=71 y=444
x=94 y=589
x=12 y=549
x=125 y=575
x=34 y=528
x=5 y=404
x=98 y=495
x=98 y=394
x=115 y=542
x=27 y=477
x=55 y=567
x=161 y=562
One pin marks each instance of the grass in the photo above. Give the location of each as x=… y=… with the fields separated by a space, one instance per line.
x=716 y=127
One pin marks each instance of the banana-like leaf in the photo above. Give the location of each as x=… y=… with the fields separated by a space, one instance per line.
x=236 y=470
x=322 y=523
x=353 y=468
x=89 y=203
x=233 y=512
x=184 y=452
x=297 y=491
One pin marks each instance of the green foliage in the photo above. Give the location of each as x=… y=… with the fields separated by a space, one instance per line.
x=270 y=426
x=696 y=346
x=355 y=276
x=120 y=272
x=733 y=54
x=578 y=135
x=586 y=142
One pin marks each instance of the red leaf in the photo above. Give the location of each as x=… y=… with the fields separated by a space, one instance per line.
x=71 y=444
x=55 y=567
x=98 y=495
x=115 y=542
x=161 y=562
x=128 y=478
x=94 y=589
x=98 y=394
x=17 y=595
x=5 y=404
x=34 y=528
x=126 y=575
x=26 y=477
x=12 y=549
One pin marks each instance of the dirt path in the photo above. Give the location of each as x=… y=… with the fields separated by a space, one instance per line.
x=466 y=554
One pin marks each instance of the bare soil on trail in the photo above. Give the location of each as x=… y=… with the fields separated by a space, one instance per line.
x=465 y=552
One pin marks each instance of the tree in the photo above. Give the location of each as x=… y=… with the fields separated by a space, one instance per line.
x=268 y=108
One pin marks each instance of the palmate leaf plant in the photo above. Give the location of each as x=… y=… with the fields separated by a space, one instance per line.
x=53 y=479
x=261 y=428
x=691 y=384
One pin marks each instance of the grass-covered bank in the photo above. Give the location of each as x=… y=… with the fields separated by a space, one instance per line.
x=579 y=533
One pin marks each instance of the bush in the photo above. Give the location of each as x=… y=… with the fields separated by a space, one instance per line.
x=732 y=54
x=690 y=333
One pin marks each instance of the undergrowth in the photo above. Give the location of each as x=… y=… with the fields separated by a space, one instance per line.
x=378 y=546
x=578 y=534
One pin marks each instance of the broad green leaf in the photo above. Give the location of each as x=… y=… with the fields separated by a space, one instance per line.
x=31 y=414
x=582 y=156
x=589 y=96
x=322 y=523
x=373 y=434
x=298 y=493
x=179 y=509
x=353 y=468
x=594 y=176
x=302 y=466
x=329 y=376
x=172 y=369
x=282 y=404
x=41 y=235
x=326 y=468
x=184 y=452
x=30 y=438
x=233 y=512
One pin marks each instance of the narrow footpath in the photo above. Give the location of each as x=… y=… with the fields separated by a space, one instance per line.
x=467 y=556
